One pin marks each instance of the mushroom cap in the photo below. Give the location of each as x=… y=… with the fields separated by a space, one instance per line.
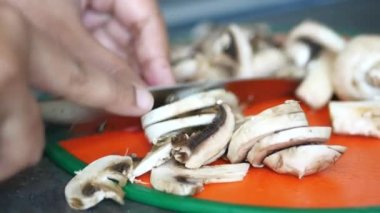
x=304 y=160
x=285 y=139
x=103 y=178
x=283 y=116
x=319 y=34
x=353 y=68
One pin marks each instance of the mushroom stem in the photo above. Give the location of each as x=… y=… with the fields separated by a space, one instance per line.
x=176 y=179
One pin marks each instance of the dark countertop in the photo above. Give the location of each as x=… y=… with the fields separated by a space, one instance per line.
x=40 y=189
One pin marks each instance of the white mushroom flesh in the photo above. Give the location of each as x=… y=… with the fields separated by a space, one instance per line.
x=103 y=178
x=304 y=160
x=285 y=139
x=187 y=104
x=155 y=131
x=176 y=179
x=157 y=156
x=284 y=116
x=356 y=118
x=354 y=76
x=202 y=147
x=316 y=89
x=318 y=33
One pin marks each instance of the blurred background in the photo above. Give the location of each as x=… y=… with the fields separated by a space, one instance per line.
x=347 y=16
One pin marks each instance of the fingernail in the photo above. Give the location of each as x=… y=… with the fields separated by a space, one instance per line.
x=159 y=73
x=143 y=97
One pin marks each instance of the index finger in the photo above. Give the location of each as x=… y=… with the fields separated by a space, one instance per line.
x=143 y=18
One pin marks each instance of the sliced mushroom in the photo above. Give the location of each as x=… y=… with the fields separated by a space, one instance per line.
x=199 y=148
x=357 y=68
x=176 y=179
x=304 y=160
x=318 y=34
x=157 y=156
x=285 y=139
x=155 y=131
x=316 y=89
x=356 y=118
x=187 y=104
x=285 y=116
x=266 y=62
x=314 y=46
x=216 y=157
x=103 y=178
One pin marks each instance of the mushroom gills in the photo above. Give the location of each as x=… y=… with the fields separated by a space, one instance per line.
x=197 y=149
x=304 y=160
x=103 y=178
x=173 y=178
x=193 y=102
x=157 y=130
x=278 y=118
x=285 y=139
x=356 y=118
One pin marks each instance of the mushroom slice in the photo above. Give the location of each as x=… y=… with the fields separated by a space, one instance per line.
x=266 y=62
x=304 y=160
x=176 y=179
x=319 y=34
x=155 y=131
x=187 y=104
x=286 y=139
x=157 y=156
x=285 y=116
x=103 y=178
x=316 y=89
x=217 y=156
x=356 y=118
x=199 y=148
x=241 y=50
x=357 y=68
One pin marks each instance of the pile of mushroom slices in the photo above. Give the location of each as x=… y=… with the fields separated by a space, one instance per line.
x=326 y=62
x=281 y=139
x=189 y=134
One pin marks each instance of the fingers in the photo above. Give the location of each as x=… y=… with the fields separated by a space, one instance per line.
x=21 y=134
x=97 y=79
x=151 y=47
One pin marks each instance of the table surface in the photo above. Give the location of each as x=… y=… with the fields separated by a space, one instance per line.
x=40 y=189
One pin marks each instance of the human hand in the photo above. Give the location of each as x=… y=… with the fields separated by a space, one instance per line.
x=44 y=44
